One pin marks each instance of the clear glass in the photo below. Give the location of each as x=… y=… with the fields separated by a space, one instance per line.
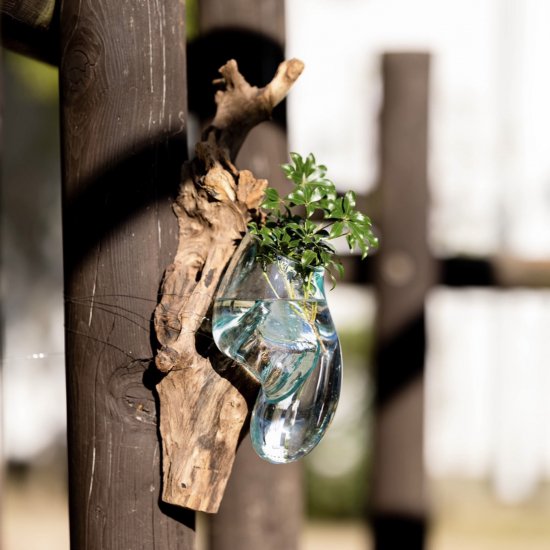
x=278 y=326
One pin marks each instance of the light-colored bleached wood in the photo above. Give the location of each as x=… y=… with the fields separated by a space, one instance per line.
x=205 y=399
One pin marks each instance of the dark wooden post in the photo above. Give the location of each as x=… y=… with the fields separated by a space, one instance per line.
x=123 y=93
x=266 y=17
x=405 y=270
x=263 y=503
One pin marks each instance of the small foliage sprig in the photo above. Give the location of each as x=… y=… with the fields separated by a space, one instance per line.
x=289 y=229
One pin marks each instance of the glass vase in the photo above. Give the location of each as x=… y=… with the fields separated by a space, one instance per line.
x=276 y=324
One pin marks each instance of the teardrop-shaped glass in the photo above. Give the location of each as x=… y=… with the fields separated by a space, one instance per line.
x=288 y=429
x=265 y=320
x=277 y=325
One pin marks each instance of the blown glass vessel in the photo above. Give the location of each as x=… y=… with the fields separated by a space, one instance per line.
x=278 y=326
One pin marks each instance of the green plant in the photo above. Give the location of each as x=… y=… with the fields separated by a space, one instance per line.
x=289 y=228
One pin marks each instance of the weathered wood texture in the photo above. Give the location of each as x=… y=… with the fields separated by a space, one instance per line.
x=405 y=271
x=203 y=401
x=123 y=94
x=29 y=27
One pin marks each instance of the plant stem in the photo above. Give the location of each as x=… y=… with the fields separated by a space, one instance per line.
x=327 y=225
x=309 y=308
x=338 y=236
x=271 y=285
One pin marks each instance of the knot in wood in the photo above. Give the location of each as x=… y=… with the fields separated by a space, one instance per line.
x=167 y=358
x=219 y=184
x=84 y=50
x=129 y=400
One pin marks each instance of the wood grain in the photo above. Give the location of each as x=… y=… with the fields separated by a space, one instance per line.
x=204 y=403
x=123 y=102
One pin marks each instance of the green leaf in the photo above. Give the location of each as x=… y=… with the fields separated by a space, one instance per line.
x=337 y=265
x=286 y=232
x=310 y=227
x=337 y=230
x=296 y=159
x=315 y=193
x=349 y=202
x=337 y=212
x=297 y=197
x=272 y=199
x=308 y=257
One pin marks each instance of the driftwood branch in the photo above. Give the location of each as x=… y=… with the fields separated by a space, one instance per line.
x=205 y=399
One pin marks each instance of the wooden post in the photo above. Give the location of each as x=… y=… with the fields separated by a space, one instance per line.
x=263 y=503
x=405 y=270
x=266 y=17
x=123 y=93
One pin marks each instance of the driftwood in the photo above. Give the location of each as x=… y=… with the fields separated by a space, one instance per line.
x=204 y=398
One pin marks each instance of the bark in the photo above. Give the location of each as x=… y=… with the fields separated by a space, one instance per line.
x=204 y=399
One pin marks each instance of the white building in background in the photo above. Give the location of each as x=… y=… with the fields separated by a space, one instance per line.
x=487 y=381
x=490 y=109
x=487 y=388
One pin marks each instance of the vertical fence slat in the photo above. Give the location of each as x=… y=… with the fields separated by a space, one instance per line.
x=405 y=270
x=263 y=503
x=123 y=93
x=262 y=506
x=262 y=16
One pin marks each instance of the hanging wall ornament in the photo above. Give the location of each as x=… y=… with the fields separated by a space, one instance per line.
x=271 y=314
x=276 y=324
x=280 y=356
x=204 y=400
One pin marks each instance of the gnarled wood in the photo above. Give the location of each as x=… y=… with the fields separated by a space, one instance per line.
x=204 y=400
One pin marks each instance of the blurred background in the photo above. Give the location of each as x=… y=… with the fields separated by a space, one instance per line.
x=485 y=423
